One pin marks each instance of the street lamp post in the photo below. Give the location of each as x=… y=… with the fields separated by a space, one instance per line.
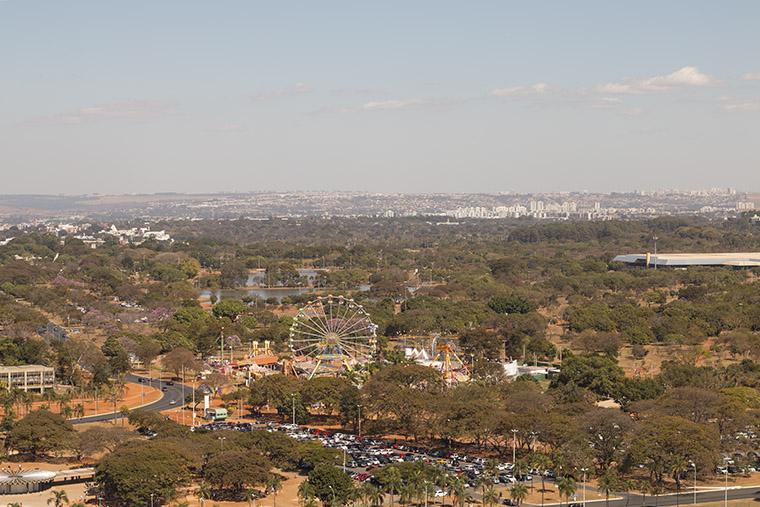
x=293 y=399
x=221 y=443
x=182 y=406
x=694 y=466
x=151 y=499
x=655 y=238
x=725 y=491
x=584 y=470
x=359 y=430
x=514 y=446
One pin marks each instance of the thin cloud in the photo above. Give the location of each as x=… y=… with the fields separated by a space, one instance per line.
x=517 y=91
x=742 y=107
x=391 y=105
x=127 y=110
x=751 y=76
x=285 y=92
x=682 y=78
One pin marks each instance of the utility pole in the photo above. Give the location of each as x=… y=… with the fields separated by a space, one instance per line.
x=293 y=399
x=182 y=405
x=584 y=486
x=514 y=447
x=655 y=238
x=192 y=418
x=221 y=346
x=359 y=408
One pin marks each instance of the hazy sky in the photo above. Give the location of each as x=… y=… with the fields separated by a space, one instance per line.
x=188 y=95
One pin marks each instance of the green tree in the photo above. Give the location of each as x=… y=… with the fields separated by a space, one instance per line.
x=490 y=497
x=510 y=304
x=42 y=432
x=566 y=487
x=663 y=443
x=331 y=485
x=608 y=483
x=58 y=499
x=134 y=471
x=234 y=471
x=518 y=493
x=274 y=485
x=229 y=308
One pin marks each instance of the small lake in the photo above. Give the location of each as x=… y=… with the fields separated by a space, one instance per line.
x=258 y=277
x=256 y=287
x=262 y=293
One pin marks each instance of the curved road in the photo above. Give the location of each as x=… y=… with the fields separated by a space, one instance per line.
x=172 y=393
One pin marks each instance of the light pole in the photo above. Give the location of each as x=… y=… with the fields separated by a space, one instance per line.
x=221 y=443
x=694 y=466
x=182 y=406
x=359 y=409
x=725 y=491
x=514 y=447
x=151 y=499
x=293 y=399
x=192 y=417
x=584 y=470
x=655 y=238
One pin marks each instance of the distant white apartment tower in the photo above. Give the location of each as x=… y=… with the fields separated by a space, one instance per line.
x=536 y=206
x=745 y=206
x=29 y=377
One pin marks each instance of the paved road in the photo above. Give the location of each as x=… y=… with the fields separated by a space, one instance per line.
x=685 y=498
x=172 y=393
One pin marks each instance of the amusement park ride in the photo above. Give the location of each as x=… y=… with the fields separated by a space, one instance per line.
x=446 y=360
x=331 y=333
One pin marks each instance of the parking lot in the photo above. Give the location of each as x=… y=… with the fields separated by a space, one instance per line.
x=362 y=456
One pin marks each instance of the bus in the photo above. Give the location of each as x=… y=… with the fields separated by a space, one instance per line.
x=216 y=414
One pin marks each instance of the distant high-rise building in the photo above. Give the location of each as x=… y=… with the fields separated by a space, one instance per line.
x=745 y=206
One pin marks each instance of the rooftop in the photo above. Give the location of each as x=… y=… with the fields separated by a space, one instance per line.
x=734 y=259
x=24 y=367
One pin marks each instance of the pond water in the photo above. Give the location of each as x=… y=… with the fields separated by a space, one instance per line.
x=256 y=287
x=257 y=277
x=262 y=293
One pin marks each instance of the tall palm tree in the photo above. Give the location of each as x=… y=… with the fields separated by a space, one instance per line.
x=542 y=463
x=274 y=484
x=305 y=492
x=374 y=494
x=518 y=493
x=608 y=482
x=203 y=492
x=566 y=487
x=59 y=499
x=393 y=482
x=408 y=493
x=249 y=495
x=490 y=497
x=458 y=490
x=679 y=467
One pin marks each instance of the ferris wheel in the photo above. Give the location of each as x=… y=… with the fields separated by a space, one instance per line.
x=332 y=332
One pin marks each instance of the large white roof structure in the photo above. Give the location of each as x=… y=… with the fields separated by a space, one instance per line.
x=738 y=259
